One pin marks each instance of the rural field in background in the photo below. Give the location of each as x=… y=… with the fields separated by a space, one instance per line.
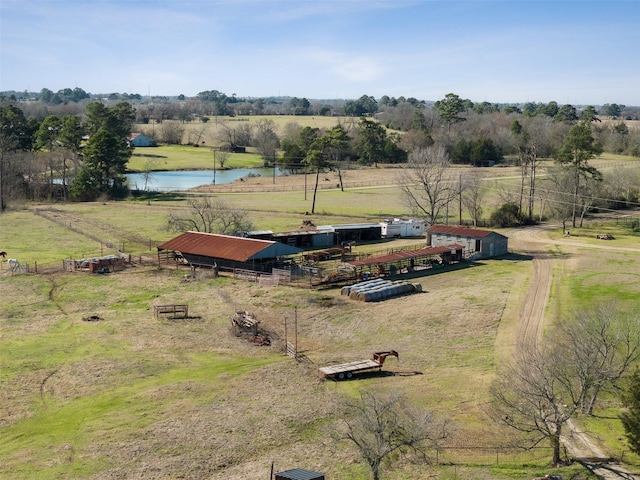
x=209 y=135
x=132 y=396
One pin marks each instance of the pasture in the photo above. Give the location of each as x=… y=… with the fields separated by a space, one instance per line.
x=211 y=134
x=186 y=157
x=132 y=396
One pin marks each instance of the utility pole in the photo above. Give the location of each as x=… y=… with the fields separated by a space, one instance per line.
x=214 y=165
x=460 y=197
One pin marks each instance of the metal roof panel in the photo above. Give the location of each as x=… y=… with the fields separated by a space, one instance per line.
x=299 y=474
x=225 y=246
x=460 y=231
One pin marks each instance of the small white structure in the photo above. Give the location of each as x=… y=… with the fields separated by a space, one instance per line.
x=398 y=228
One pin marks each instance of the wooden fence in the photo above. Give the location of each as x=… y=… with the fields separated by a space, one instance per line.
x=175 y=310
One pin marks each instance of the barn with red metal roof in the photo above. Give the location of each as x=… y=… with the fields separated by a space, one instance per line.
x=209 y=249
x=477 y=243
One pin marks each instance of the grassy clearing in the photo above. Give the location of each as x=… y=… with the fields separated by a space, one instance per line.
x=352 y=206
x=186 y=157
x=606 y=427
x=131 y=394
x=613 y=277
x=29 y=238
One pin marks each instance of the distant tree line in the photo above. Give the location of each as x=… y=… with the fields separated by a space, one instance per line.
x=214 y=102
x=64 y=157
x=54 y=144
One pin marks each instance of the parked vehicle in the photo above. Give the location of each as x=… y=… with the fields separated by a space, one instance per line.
x=398 y=228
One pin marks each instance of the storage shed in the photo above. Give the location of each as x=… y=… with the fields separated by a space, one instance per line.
x=299 y=474
x=477 y=243
x=227 y=252
x=307 y=239
x=361 y=232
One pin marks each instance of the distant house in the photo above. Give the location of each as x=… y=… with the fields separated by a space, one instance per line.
x=140 y=140
x=477 y=243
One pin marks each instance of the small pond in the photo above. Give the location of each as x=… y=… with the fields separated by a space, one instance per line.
x=186 y=179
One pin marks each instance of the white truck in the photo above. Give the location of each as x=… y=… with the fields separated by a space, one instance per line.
x=398 y=228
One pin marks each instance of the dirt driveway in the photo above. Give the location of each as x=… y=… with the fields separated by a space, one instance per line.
x=535 y=242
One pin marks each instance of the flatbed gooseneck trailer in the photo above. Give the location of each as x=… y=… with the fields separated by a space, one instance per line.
x=346 y=370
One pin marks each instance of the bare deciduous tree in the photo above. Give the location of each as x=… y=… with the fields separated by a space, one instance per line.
x=600 y=344
x=266 y=140
x=424 y=183
x=222 y=157
x=232 y=137
x=558 y=186
x=147 y=172
x=196 y=135
x=381 y=425
x=171 y=132
x=543 y=387
x=622 y=186
x=210 y=215
x=530 y=395
x=473 y=191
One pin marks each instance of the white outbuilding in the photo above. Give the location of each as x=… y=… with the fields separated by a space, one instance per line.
x=477 y=243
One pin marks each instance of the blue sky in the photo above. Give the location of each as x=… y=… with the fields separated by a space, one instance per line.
x=577 y=52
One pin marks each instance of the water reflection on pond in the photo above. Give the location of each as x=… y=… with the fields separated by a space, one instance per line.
x=186 y=179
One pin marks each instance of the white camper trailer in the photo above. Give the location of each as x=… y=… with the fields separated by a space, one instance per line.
x=398 y=228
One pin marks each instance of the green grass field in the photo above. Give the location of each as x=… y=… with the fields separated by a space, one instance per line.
x=186 y=157
x=133 y=396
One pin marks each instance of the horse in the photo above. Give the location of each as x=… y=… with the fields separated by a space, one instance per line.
x=13 y=264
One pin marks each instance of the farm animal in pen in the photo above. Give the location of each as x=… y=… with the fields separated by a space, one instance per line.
x=14 y=264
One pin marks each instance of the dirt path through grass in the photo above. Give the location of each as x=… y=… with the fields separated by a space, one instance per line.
x=534 y=242
x=532 y=311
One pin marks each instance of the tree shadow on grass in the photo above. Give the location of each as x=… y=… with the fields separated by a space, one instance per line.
x=184 y=319
x=147 y=196
x=375 y=374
